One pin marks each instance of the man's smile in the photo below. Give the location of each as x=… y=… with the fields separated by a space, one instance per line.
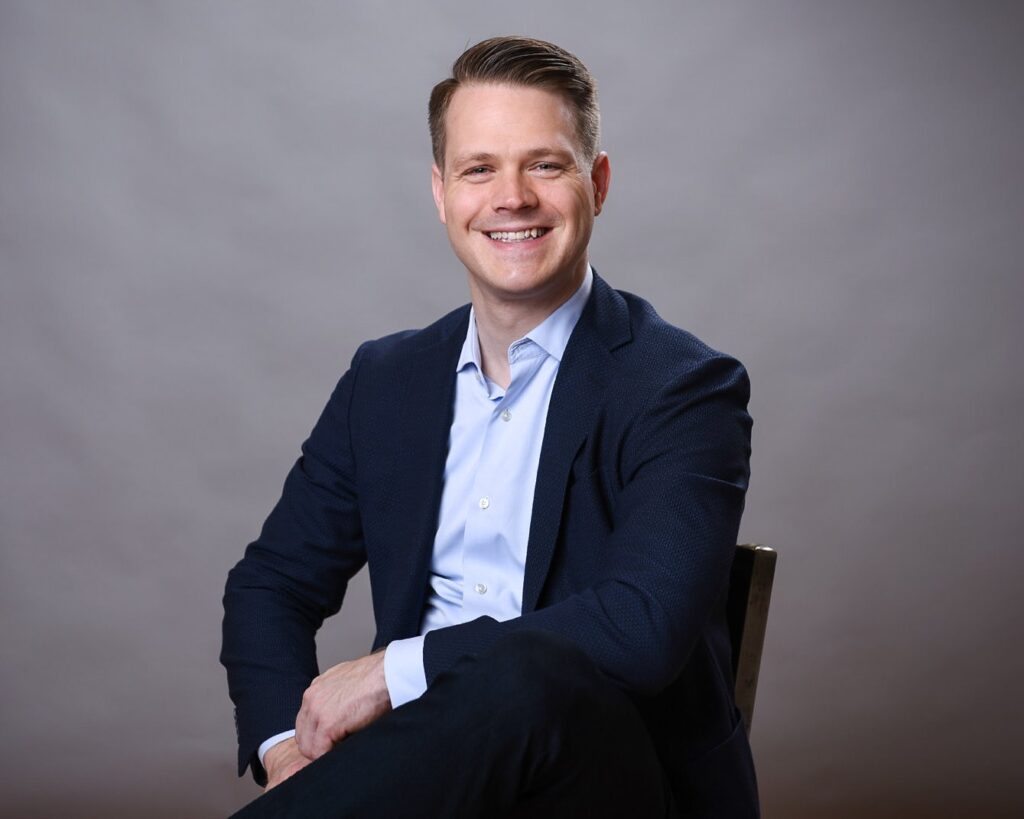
x=517 y=236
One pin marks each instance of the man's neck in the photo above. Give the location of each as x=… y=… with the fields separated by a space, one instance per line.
x=500 y=322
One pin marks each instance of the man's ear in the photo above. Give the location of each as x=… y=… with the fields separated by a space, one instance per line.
x=600 y=177
x=437 y=184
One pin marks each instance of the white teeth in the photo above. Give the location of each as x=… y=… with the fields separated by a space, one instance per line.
x=516 y=235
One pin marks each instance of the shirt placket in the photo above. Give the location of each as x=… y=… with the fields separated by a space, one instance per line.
x=485 y=554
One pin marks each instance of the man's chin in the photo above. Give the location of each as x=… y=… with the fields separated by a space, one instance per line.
x=521 y=286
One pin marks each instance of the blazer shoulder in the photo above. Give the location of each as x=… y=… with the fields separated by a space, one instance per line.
x=397 y=347
x=664 y=350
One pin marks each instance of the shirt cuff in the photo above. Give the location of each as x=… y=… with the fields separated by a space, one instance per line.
x=270 y=743
x=403 y=670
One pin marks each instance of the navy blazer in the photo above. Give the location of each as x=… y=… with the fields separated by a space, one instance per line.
x=639 y=492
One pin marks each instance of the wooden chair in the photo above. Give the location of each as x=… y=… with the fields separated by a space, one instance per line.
x=750 y=591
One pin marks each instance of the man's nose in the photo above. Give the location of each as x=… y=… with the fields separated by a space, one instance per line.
x=514 y=192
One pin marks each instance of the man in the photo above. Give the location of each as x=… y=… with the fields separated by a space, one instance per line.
x=547 y=487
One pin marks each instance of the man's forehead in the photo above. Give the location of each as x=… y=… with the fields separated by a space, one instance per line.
x=487 y=120
x=476 y=97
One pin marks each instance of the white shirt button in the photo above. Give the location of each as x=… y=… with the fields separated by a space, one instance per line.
x=480 y=588
x=484 y=503
x=506 y=415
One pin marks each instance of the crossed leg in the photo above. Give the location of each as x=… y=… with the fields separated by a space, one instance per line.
x=529 y=728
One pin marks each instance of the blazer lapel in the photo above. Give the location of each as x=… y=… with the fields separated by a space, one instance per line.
x=427 y=381
x=579 y=390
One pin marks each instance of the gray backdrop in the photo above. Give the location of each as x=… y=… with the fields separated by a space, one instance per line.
x=204 y=207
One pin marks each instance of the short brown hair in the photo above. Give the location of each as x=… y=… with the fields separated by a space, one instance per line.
x=521 y=61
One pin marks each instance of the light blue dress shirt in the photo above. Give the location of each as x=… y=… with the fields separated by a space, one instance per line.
x=479 y=556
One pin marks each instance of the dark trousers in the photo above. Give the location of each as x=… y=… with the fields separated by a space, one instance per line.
x=528 y=729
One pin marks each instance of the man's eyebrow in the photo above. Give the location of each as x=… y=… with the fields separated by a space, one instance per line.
x=533 y=153
x=549 y=150
x=474 y=158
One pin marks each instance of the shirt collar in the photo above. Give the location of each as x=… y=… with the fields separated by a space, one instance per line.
x=551 y=335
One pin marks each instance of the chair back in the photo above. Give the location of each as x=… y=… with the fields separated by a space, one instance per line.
x=750 y=591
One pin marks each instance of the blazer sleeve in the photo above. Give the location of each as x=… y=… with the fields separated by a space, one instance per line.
x=684 y=472
x=291 y=578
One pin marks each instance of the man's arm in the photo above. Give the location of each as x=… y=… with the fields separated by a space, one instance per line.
x=291 y=578
x=685 y=467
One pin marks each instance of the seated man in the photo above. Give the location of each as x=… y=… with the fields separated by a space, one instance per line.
x=546 y=485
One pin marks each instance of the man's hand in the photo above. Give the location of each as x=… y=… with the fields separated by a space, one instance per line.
x=282 y=760
x=340 y=702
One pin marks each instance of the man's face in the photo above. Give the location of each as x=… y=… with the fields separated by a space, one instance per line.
x=513 y=165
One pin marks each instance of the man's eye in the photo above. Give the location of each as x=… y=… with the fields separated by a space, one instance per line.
x=547 y=167
x=477 y=171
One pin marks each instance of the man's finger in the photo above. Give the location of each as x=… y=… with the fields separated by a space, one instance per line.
x=320 y=742
x=306 y=734
x=307 y=723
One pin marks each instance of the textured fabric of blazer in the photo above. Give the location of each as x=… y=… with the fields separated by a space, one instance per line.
x=639 y=492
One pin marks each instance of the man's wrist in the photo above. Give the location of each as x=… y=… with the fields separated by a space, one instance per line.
x=274 y=741
x=404 y=676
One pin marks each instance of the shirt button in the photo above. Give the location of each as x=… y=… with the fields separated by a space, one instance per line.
x=485 y=502
x=506 y=415
x=480 y=588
